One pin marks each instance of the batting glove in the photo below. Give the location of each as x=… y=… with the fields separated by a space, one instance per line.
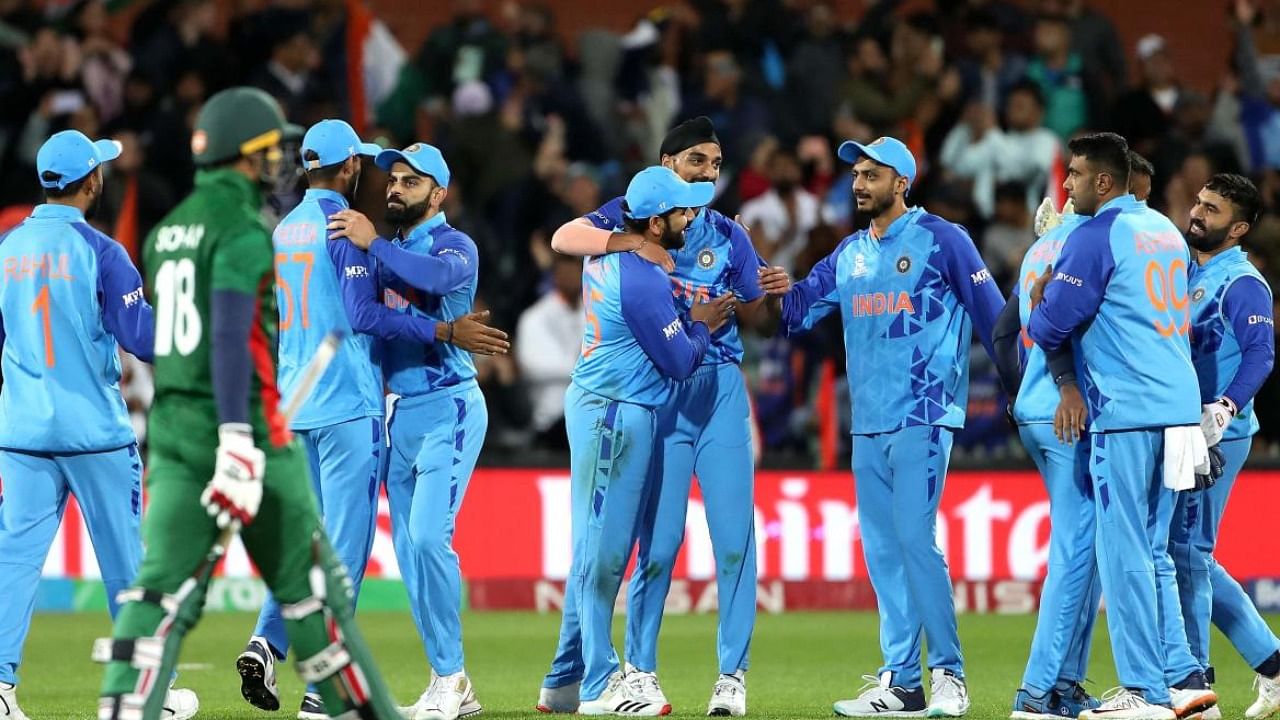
x=235 y=492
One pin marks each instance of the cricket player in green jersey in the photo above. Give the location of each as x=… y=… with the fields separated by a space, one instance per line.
x=220 y=452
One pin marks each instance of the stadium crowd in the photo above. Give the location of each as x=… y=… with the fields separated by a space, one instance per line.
x=985 y=92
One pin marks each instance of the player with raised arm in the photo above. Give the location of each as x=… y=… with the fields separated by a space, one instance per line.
x=69 y=298
x=325 y=286
x=438 y=419
x=1049 y=412
x=910 y=288
x=711 y=434
x=1233 y=349
x=635 y=347
x=1118 y=293
x=216 y=415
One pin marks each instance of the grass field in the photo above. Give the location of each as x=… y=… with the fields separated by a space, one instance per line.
x=801 y=662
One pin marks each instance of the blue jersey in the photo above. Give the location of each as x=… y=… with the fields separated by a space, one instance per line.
x=1121 y=280
x=326 y=285
x=636 y=345
x=69 y=295
x=1038 y=394
x=430 y=273
x=717 y=257
x=1232 y=334
x=909 y=301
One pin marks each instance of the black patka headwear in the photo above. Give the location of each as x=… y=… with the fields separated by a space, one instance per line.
x=687 y=134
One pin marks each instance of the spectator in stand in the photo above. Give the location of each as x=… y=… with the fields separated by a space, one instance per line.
x=781 y=219
x=1094 y=36
x=180 y=36
x=739 y=115
x=1065 y=81
x=753 y=181
x=814 y=68
x=883 y=95
x=548 y=337
x=1007 y=238
x=987 y=70
x=288 y=75
x=1143 y=114
x=135 y=199
x=1258 y=113
x=105 y=65
x=468 y=49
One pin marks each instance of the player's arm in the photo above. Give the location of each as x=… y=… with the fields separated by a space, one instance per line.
x=814 y=298
x=1248 y=307
x=449 y=265
x=1073 y=289
x=360 y=299
x=596 y=234
x=759 y=288
x=1004 y=341
x=125 y=312
x=649 y=311
x=968 y=277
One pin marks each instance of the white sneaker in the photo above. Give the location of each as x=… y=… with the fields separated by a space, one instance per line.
x=409 y=712
x=257 y=668
x=312 y=707
x=179 y=704
x=728 y=697
x=449 y=697
x=878 y=699
x=1265 y=706
x=1213 y=713
x=644 y=686
x=559 y=700
x=617 y=699
x=9 y=709
x=1192 y=702
x=948 y=696
x=1124 y=704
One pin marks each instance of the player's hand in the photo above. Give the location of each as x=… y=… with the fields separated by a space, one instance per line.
x=1037 y=289
x=353 y=226
x=1068 y=419
x=1217 y=461
x=235 y=492
x=775 y=280
x=1214 y=419
x=713 y=314
x=470 y=333
x=656 y=254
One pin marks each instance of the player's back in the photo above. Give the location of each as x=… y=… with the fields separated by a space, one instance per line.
x=310 y=304
x=214 y=240
x=1038 y=394
x=410 y=367
x=60 y=364
x=1137 y=351
x=1215 y=348
x=612 y=362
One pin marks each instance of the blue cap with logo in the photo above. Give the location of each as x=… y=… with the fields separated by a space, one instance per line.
x=70 y=155
x=333 y=141
x=658 y=190
x=885 y=151
x=423 y=158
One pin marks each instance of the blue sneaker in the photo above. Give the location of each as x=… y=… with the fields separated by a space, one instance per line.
x=1075 y=700
x=1030 y=706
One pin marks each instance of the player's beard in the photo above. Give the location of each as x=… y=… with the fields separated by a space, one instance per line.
x=1206 y=241
x=879 y=205
x=91 y=212
x=354 y=187
x=671 y=240
x=406 y=214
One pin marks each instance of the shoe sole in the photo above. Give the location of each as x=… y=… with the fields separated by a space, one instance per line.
x=723 y=712
x=1024 y=715
x=1194 y=709
x=550 y=711
x=893 y=714
x=944 y=714
x=253 y=684
x=312 y=716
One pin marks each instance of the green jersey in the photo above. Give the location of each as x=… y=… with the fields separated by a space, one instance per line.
x=213 y=240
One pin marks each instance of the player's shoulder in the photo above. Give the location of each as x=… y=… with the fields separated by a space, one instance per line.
x=943 y=231
x=726 y=228
x=607 y=215
x=96 y=239
x=451 y=238
x=637 y=272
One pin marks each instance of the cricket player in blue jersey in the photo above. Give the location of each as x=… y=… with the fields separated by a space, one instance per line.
x=327 y=286
x=68 y=300
x=1233 y=349
x=711 y=434
x=1049 y=413
x=635 y=347
x=1119 y=295
x=438 y=421
x=911 y=288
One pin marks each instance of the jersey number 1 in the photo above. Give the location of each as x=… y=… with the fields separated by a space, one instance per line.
x=41 y=305
x=178 y=324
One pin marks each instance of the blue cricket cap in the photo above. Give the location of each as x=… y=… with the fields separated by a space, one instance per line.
x=423 y=158
x=334 y=141
x=658 y=190
x=71 y=156
x=885 y=151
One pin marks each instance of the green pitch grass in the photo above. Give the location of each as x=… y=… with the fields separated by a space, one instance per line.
x=801 y=662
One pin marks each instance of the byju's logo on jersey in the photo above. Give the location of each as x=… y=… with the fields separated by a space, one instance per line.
x=706 y=258
x=859 y=265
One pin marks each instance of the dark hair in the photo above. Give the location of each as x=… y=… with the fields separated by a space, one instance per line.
x=631 y=224
x=70 y=190
x=1011 y=191
x=1029 y=87
x=1140 y=165
x=1241 y=192
x=325 y=174
x=1108 y=151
